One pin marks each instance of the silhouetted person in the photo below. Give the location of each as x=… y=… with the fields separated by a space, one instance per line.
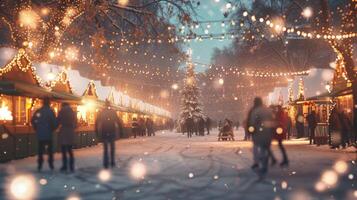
x=108 y=124
x=281 y=121
x=135 y=127
x=346 y=128
x=150 y=127
x=335 y=127
x=201 y=126
x=67 y=120
x=208 y=125
x=299 y=125
x=195 y=125
x=190 y=126
x=312 y=123
x=142 y=128
x=260 y=125
x=247 y=134
x=44 y=123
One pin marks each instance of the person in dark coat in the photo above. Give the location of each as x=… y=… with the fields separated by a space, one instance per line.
x=142 y=127
x=109 y=124
x=201 y=126
x=44 y=123
x=195 y=125
x=346 y=128
x=335 y=128
x=260 y=125
x=208 y=124
x=150 y=127
x=299 y=125
x=312 y=123
x=67 y=121
x=190 y=126
x=135 y=127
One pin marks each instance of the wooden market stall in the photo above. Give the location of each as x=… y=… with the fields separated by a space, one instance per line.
x=21 y=91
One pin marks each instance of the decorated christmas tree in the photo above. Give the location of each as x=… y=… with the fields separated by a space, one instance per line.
x=190 y=96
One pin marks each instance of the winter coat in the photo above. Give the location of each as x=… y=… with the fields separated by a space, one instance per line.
x=261 y=118
x=108 y=124
x=68 y=122
x=44 y=122
x=311 y=120
x=281 y=125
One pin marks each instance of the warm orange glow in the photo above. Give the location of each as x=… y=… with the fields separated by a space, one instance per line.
x=28 y=18
x=123 y=2
x=138 y=170
x=22 y=187
x=71 y=53
x=5 y=113
x=104 y=175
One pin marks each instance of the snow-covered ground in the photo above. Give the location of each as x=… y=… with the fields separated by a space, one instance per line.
x=171 y=166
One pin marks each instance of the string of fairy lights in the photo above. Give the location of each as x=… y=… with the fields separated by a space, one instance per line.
x=152 y=72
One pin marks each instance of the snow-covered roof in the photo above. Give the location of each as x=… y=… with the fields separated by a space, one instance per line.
x=79 y=84
x=315 y=84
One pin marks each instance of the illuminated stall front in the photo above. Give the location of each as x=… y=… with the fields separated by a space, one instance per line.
x=20 y=90
x=321 y=105
x=87 y=111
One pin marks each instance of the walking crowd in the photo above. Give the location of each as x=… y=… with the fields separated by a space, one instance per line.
x=108 y=127
x=196 y=126
x=263 y=124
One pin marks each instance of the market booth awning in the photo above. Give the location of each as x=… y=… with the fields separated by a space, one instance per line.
x=19 y=78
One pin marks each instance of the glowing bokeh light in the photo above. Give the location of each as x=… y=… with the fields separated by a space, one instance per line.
x=340 y=167
x=307 y=12
x=221 y=81
x=104 y=175
x=251 y=129
x=23 y=187
x=73 y=197
x=43 y=181
x=320 y=186
x=329 y=177
x=28 y=18
x=138 y=170
x=123 y=2
x=279 y=131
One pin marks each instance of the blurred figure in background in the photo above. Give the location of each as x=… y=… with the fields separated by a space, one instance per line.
x=109 y=125
x=201 y=126
x=135 y=127
x=312 y=123
x=260 y=125
x=299 y=125
x=280 y=131
x=67 y=121
x=346 y=128
x=208 y=124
